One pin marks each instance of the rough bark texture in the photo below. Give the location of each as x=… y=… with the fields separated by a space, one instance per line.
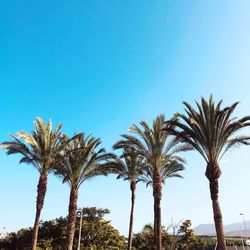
x=41 y=192
x=72 y=217
x=157 y=193
x=130 y=237
x=213 y=174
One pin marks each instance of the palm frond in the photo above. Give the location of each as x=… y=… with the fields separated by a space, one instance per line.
x=82 y=160
x=40 y=147
x=157 y=149
x=210 y=129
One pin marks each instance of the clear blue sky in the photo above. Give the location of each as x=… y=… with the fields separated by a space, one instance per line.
x=99 y=66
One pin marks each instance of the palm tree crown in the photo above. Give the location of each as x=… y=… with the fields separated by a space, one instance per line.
x=129 y=166
x=155 y=146
x=80 y=160
x=39 y=148
x=210 y=130
x=169 y=170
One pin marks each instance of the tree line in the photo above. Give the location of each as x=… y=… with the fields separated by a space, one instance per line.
x=149 y=154
x=96 y=233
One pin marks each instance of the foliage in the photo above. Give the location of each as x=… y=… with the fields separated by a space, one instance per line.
x=93 y=213
x=80 y=160
x=159 y=151
x=97 y=233
x=211 y=130
x=187 y=239
x=38 y=148
x=145 y=239
x=100 y=235
x=184 y=240
x=186 y=230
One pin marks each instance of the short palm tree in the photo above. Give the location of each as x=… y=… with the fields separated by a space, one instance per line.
x=79 y=162
x=161 y=161
x=148 y=228
x=130 y=167
x=39 y=148
x=211 y=131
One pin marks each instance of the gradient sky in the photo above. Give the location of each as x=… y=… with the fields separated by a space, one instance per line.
x=99 y=66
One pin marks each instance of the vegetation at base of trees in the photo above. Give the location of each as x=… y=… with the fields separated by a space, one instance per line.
x=97 y=233
x=145 y=239
x=184 y=240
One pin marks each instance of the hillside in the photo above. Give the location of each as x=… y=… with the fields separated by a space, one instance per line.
x=235 y=229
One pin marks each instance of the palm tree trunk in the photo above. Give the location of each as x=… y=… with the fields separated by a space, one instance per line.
x=41 y=192
x=72 y=217
x=213 y=173
x=214 y=191
x=130 y=237
x=157 y=193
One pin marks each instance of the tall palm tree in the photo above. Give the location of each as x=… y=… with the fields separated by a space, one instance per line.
x=79 y=162
x=161 y=159
x=211 y=131
x=39 y=148
x=130 y=166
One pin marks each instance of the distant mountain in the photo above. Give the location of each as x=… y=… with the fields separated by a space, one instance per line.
x=235 y=229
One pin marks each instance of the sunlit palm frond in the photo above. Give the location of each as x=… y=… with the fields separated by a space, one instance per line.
x=157 y=149
x=129 y=166
x=39 y=147
x=211 y=130
x=81 y=160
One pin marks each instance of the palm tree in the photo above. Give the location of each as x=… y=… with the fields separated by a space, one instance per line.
x=148 y=228
x=161 y=161
x=39 y=148
x=211 y=131
x=79 y=162
x=130 y=167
